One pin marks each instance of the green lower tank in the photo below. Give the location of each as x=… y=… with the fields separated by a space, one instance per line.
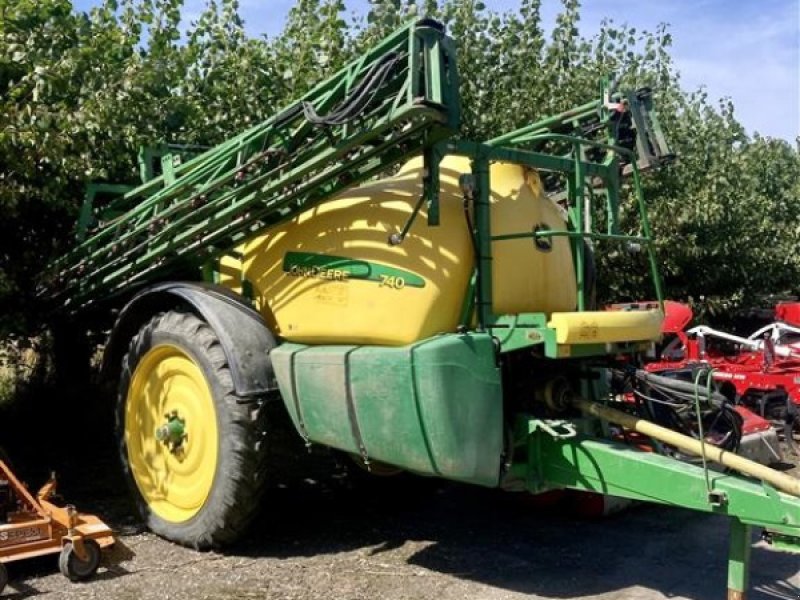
x=433 y=407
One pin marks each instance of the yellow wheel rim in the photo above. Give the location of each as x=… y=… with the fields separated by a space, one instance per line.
x=175 y=483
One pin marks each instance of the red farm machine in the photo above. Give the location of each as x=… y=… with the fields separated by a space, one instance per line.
x=759 y=376
x=409 y=297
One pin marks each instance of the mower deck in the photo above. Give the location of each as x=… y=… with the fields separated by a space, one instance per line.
x=35 y=526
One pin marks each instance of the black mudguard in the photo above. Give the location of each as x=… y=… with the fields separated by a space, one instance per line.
x=245 y=337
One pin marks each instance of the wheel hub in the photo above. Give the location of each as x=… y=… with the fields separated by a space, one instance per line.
x=173 y=432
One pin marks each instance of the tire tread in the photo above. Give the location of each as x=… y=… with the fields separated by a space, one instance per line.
x=235 y=496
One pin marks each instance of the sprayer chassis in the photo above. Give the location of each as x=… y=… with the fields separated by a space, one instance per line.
x=440 y=406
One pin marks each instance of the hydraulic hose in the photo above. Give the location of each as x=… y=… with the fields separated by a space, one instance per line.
x=780 y=481
x=355 y=103
x=682 y=387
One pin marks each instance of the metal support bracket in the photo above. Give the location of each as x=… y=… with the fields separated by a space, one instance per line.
x=433 y=157
x=780 y=541
x=717 y=498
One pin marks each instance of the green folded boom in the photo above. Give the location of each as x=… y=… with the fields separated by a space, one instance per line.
x=381 y=109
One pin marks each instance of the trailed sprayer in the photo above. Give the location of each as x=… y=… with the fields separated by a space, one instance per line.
x=411 y=297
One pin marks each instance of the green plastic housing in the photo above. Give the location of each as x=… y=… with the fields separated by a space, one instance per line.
x=433 y=407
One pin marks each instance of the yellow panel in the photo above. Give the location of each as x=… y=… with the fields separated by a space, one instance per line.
x=526 y=277
x=606 y=326
x=230 y=273
x=319 y=306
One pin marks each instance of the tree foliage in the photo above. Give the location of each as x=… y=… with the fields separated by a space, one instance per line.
x=79 y=93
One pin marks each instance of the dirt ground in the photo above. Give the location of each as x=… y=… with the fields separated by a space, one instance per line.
x=325 y=535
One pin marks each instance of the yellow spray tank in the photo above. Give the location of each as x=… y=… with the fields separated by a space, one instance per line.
x=330 y=275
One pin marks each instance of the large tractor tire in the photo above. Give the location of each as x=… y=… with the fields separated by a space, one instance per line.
x=191 y=449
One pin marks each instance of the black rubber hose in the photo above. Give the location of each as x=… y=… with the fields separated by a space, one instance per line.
x=723 y=413
x=682 y=388
x=359 y=97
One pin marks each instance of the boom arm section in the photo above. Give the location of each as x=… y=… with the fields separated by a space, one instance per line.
x=396 y=100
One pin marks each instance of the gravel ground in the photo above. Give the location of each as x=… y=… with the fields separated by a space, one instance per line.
x=333 y=540
x=334 y=536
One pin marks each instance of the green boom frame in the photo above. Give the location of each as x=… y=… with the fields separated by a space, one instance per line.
x=203 y=208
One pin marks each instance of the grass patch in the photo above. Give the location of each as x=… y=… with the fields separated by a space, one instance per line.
x=19 y=362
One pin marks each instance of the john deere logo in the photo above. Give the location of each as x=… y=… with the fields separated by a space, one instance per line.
x=340 y=268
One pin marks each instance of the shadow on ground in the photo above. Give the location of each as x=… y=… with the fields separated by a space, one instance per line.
x=488 y=537
x=313 y=507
